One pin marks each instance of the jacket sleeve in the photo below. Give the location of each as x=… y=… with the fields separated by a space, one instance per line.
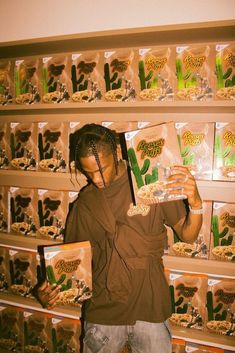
x=77 y=223
x=173 y=211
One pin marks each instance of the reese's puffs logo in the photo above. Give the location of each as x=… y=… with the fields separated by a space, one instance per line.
x=63 y=266
x=150 y=149
x=192 y=139
x=229 y=139
x=228 y=219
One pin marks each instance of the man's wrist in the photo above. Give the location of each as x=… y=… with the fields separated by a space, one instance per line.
x=196 y=210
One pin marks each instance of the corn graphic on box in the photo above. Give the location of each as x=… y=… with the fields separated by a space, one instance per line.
x=151 y=152
x=68 y=265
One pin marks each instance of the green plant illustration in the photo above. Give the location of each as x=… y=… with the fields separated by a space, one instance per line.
x=176 y=305
x=60 y=346
x=188 y=157
x=111 y=82
x=34 y=338
x=225 y=154
x=213 y=312
x=80 y=83
x=46 y=210
x=52 y=279
x=18 y=207
x=139 y=172
x=219 y=152
x=185 y=79
x=218 y=236
x=145 y=80
x=224 y=78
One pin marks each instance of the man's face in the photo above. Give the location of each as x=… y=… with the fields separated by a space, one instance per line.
x=108 y=169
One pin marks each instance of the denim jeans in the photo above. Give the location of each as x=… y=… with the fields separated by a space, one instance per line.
x=143 y=337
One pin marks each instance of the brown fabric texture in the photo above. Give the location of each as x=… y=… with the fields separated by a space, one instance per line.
x=128 y=276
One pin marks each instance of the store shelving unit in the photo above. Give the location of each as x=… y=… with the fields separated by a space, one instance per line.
x=181 y=111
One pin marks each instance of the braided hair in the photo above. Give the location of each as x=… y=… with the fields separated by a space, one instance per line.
x=90 y=140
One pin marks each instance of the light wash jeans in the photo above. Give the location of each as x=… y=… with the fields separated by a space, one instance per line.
x=143 y=337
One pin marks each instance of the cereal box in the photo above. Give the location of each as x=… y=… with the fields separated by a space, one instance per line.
x=27 y=81
x=156 y=77
x=56 y=83
x=65 y=335
x=196 y=141
x=11 y=332
x=119 y=75
x=151 y=152
x=224 y=152
x=52 y=212
x=6 y=82
x=23 y=271
x=195 y=76
x=53 y=147
x=86 y=76
x=221 y=306
x=178 y=346
x=200 y=248
x=225 y=71
x=23 y=144
x=68 y=265
x=37 y=328
x=4 y=269
x=5 y=152
x=188 y=295
x=222 y=245
x=23 y=211
x=4 y=208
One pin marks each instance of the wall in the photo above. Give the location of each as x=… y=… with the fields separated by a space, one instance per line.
x=27 y=19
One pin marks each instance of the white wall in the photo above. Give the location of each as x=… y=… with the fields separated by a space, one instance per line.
x=26 y=19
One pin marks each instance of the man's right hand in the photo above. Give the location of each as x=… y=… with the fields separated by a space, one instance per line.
x=47 y=294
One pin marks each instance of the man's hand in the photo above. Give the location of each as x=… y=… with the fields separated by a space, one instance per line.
x=182 y=182
x=47 y=294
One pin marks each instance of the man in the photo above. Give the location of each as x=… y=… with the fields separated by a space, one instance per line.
x=131 y=298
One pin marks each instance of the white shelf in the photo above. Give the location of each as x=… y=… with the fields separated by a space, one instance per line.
x=209 y=190
x=197 y=265
x=193 y=265
x=23 y=242
x=204 y=338
x=192 y=335
x=123 y=111
x=30 y=303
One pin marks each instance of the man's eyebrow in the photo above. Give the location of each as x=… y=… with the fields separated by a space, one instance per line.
x=93 y=171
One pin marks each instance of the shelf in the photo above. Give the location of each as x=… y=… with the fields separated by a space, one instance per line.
x=213 y=31
x=209 y=190
x=30 y=303
x=196 y=265
x=192 y=265
x=23 y=242
x=192 y=335
x=123 y=111
x=204 y=338
x=41 y=180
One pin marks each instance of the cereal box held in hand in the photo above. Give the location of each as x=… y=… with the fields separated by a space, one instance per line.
x=151 y=152
x=68 y=265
